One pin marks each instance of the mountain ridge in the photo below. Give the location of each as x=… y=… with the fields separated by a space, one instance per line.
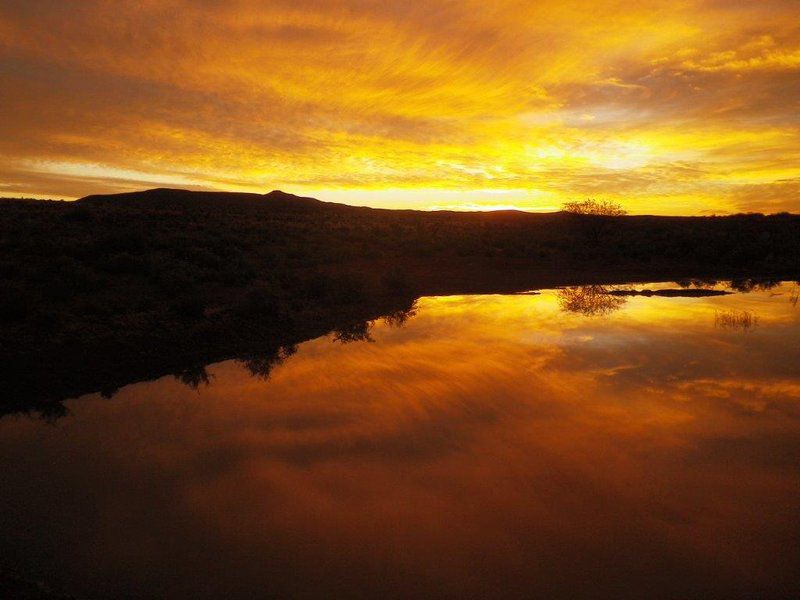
x=177 y=195
x=176 y=198
x=164 y=197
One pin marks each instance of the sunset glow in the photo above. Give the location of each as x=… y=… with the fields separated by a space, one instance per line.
x=667 y=107
x=422 y=452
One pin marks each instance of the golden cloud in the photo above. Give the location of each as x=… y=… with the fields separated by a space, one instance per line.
x=664 y=106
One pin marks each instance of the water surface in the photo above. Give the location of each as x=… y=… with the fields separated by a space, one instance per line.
x=565 y=444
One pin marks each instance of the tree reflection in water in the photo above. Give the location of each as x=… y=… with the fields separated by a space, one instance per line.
x=261 y=365
x=589 y=300
x=697 y=283
x=354 y=332
x=754 y=284
x=735 y=319
x=398 y=318
x=194 y=377
x=361 y=331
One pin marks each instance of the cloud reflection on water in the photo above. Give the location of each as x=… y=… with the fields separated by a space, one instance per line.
x=491 y=445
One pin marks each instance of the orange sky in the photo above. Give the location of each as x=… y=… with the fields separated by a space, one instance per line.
x=679 y=106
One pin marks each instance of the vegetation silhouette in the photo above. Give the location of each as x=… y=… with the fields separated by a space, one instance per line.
x=753 y=284
x=671 y=293
x=589 y=300
x=735 y=319
x=597 y=208
x=359 y=331
x=111 y=289
x=261 y=365
x=194 y=377
x=697 y=283
x=400 y=317
x=593 y=217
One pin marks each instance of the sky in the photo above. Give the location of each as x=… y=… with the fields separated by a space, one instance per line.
x=665 y=106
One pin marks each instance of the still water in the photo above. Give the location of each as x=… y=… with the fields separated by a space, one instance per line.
x=565 y=444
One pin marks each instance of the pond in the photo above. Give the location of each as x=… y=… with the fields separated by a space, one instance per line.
x=639 y=441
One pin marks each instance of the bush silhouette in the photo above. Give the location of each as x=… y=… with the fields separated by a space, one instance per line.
x=590 y=206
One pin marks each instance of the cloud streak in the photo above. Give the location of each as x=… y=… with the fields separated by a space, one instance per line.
x=684 y=106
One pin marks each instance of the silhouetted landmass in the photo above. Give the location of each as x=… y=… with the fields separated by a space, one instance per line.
x=111 y=289
x=681 y=293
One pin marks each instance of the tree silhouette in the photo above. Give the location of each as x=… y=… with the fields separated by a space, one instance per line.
x=754 y=284
x=398 y=318
x=594 y=216
x=354 y=332
x=194 y=377
x=589 y=300
x=261 y=365
x=598 y=208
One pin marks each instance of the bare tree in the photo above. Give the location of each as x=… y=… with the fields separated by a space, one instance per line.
x=590 y=206
x=589 y=300
x=594 y=217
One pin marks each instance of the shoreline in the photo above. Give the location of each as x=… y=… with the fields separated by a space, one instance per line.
x=44 y=376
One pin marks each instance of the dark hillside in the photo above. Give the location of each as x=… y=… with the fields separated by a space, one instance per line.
x=166 y=198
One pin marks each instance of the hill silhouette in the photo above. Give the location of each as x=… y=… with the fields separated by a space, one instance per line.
x=277 y=200
x=175 y=198
x=109 y=286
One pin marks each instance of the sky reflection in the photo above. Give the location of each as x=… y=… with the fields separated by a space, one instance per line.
x=493 y=445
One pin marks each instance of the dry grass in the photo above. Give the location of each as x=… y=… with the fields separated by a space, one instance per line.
x=735 y=319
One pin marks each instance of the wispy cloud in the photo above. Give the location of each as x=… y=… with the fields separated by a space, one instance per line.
x=664 y=106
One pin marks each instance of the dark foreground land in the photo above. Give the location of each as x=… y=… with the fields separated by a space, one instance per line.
x=113 y=289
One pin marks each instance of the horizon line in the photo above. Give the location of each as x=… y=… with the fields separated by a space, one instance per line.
x=436 y=208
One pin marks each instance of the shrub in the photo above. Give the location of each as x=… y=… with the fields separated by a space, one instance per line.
x=590 y=206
